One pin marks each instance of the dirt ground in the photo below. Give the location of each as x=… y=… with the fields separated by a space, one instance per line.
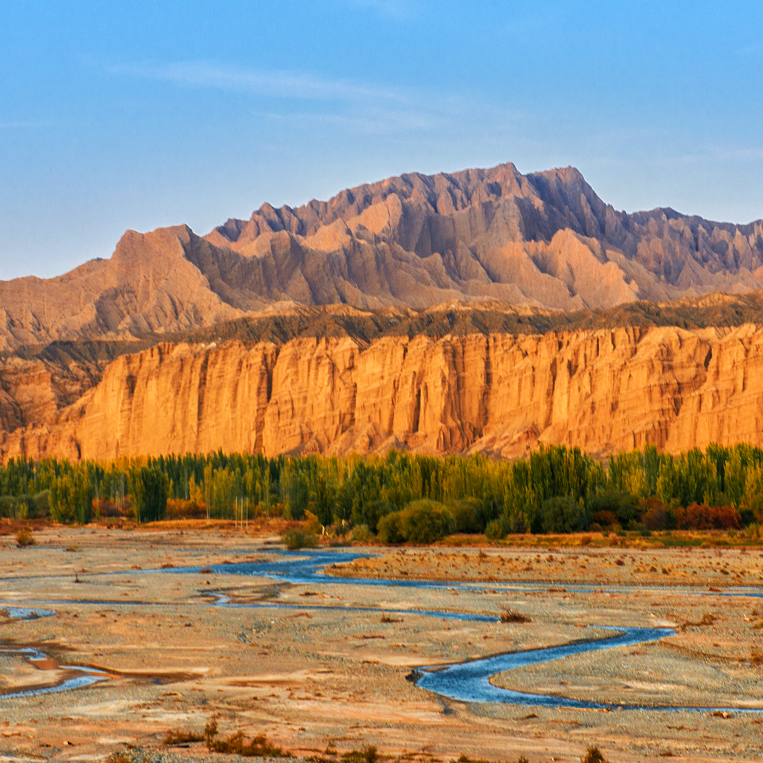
x=321 y=679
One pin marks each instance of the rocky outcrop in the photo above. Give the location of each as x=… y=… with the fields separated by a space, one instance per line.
x=602 y=390
x=542 y=240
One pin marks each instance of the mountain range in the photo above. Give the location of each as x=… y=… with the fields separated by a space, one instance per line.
x=543 y=240
x=481 y=311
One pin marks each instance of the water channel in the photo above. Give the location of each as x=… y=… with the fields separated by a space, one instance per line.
x=466 y=681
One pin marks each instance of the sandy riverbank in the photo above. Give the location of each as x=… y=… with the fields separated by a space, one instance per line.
x=313 y=678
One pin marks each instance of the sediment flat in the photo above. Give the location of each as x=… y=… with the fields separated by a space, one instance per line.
x=328 y=671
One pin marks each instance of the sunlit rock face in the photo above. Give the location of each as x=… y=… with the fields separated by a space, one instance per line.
x=482 y=311
x=602 y=390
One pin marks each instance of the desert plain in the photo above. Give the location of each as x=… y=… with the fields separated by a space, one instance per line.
x=325 y=668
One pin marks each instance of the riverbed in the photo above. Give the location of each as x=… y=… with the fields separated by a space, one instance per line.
x=317 y=662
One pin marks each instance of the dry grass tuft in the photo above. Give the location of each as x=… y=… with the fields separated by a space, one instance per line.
x=593 y=755
x=24 y=537
x=512 y=616
x=259 y=747
x=173 y=738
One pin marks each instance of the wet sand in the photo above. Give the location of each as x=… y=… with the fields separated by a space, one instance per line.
x=313 y=678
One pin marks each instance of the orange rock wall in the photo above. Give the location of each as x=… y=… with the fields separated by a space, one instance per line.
x=600 y=390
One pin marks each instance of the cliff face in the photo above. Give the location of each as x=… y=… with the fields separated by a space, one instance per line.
x=602 y=390
x=543 y=240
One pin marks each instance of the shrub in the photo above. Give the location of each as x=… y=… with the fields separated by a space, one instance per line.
x=368 y=754
x=511 y=616
x=561 y=514
x=25 y=506
x=467 y=514
x=24 y=537
x=700 y=516
x=593 y=755
x=604 y=518
x=260 y=746
x=390 y=529
x=624 y=506
x=747 y=516
x=516 y=523
x=370 y=514
x=495 y=530
x=177 y=508
x=419 y=522
x=657 y=515
x=295 y=539
x=361 y=534
x=426 y=522
x=181 y=737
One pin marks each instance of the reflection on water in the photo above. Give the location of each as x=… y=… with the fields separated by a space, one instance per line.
x=26 y=613
x=82 y=677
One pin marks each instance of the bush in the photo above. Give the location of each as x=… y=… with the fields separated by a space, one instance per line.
x=259 y=747
x=624 y=506
x=419 y=522
x=467 y=514
x=657 y=515
x=371 y=513
x=295 y=539
x=495 y=530
x=361 y=534
x=512 y=616
x=561 y=514
x=593 y=755
x=177 y=508
x=24 y=537
x=426 y=522
x=25 y=506
x=390 y=529
x=605 y=518
x=700 y=516
x=181 y=738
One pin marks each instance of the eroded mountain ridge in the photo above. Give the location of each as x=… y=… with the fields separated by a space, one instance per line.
x=481 y=311
x=542 y=240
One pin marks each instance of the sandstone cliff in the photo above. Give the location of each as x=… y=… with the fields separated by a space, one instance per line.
x=543 y=239
x=602 y=390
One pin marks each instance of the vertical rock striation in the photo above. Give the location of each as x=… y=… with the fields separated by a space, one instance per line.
x=602 y=390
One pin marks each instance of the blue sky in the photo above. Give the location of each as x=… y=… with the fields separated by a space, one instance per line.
x=143 y=114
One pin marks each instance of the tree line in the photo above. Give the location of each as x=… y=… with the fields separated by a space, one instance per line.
x=553 y=489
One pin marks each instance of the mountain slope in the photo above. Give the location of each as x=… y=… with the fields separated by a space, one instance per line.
x=544 y=240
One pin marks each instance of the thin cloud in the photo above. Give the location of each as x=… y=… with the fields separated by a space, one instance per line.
x=751 y=51
x=349 y=104
x=393 y=9
x=277 y=83
x=21 y=125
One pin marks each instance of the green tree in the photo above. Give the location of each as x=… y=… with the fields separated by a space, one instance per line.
x=149 y=488
x=325 y=499
x=71 y=498
x=562 y=514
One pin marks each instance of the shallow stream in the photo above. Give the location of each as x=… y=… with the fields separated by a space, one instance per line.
x=467 y=681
